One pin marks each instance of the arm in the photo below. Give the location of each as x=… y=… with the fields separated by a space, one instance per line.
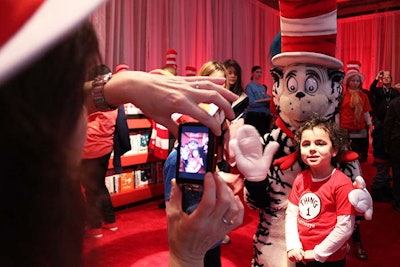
x=367 y=119
x=335 y=240
x=293 y=244
x=159 y=96
x=372 y=88
x=190 y=236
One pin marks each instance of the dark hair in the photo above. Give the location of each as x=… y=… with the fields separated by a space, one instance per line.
x=98 y=70
x=254 y=68
x=42 y=203
x=237 y=88
x=338 y=136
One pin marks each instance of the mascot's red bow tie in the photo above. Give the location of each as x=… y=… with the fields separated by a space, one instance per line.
x=285 y=162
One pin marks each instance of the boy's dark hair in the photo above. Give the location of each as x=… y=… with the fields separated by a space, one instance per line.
x=338 y=136
x=254 y=68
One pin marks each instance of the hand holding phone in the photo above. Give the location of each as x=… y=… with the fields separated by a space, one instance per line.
x=196 y=156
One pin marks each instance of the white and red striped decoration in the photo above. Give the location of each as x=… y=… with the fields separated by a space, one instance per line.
x=159 y=140
x=171 y=56
x=190 y=71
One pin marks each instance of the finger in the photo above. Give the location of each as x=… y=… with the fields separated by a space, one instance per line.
x=238 y=220
x=208 y=199
x=202 y=116
x=220 y=98
x=216 y=80
x=217 y=95
x=227 y=208
x=174 y=205
x=212 y=84
x=228 y=204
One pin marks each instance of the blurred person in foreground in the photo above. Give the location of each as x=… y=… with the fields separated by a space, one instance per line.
x=45 y=102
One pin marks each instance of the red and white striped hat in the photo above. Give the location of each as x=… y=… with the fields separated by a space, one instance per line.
x=121 y=67
x=353 y=68
x=308 y=33
x=32 y=27
x=190 y=71
x=171 y=58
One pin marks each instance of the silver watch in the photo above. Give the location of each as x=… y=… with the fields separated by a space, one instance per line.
x=98 y=92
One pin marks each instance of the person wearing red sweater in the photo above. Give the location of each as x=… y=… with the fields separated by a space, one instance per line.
x=319 y=217
x=355 y=110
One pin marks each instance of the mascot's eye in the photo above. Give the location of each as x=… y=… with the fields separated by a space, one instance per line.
x=311 y=85
x=292 y=85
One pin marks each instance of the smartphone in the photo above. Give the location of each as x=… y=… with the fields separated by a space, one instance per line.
x=196 y=153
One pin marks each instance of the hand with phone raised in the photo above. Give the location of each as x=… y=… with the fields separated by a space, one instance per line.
x=191 y=236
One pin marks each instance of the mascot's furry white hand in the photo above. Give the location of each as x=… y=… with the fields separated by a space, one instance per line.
x=360 y=198
x=250 y=159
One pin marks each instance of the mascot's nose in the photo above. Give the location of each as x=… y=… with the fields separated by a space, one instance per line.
x=300 y=95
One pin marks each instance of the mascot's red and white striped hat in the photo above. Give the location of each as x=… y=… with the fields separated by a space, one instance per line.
x=308 y=33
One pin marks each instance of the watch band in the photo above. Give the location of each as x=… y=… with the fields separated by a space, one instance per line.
x=98 y=92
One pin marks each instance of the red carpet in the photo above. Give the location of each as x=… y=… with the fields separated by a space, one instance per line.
x=141 y=238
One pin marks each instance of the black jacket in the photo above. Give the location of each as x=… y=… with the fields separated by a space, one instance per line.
x=382 y=99
x=122 y=142
x=391 y=128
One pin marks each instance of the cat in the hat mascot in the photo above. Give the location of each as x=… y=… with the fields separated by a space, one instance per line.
x=307 y=81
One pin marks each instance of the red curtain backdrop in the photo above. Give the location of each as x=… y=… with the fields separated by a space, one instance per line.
x=374 y=40
x=139 y=32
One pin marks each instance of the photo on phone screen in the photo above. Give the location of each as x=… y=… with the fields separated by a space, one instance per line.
x=195 y=153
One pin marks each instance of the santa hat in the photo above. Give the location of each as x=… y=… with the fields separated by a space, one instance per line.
x=171 y=58
x=190 y=71
x=308 y=33
x=32 y=27
x=353 y=68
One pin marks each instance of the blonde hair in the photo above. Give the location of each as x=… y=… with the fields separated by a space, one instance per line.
x=210 y=67
x=355 y=99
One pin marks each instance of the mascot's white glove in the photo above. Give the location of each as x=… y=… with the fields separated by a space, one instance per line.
x=360 y=198
x=230 y=134
x=250 y=159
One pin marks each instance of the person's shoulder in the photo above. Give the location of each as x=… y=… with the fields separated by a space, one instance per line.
x=341 y=177
x=303 y=175
x=250 y=84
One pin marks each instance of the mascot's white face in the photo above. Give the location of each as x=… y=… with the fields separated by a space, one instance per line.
x=303 y=90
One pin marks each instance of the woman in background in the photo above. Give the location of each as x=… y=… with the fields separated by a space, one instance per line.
x=258 y=112
x=236 y=86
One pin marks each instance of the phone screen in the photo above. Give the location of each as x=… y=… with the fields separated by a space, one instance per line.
x=195 y=153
